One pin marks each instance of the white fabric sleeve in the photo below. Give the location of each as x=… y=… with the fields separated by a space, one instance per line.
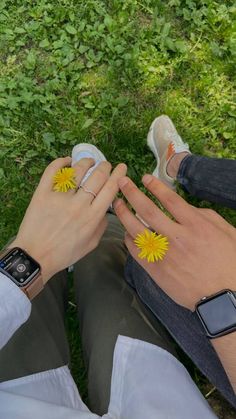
x=15 y=308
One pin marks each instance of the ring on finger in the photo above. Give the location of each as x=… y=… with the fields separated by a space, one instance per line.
x=88 y=191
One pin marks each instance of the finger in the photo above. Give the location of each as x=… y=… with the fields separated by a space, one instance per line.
x=132 y=225
x=159 y=270
x=134 y=251
x=81 y=169
x=109 y=190
x=94 y=183
x=46 y=182
x=175 y=204
x=145 y=208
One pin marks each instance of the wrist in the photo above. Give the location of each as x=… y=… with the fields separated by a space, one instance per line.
x=38 y=255
x=215 y=290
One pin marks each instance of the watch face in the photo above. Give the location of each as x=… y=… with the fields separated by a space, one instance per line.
x=19 y=266
x=218 y=313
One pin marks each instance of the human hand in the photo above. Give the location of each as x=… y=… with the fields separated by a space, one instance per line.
x=202 y=245
x=60 y=228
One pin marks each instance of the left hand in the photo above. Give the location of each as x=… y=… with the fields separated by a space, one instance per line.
x=60 y=228
x=202 y=245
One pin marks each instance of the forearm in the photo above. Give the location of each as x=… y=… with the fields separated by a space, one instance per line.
x=225 y=347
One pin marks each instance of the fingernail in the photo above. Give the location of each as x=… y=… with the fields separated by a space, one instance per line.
x=123 y=181
x=147 y=179
x=123 y=165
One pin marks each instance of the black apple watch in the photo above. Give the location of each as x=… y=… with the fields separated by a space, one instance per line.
x=217 y=313
x=23 y=270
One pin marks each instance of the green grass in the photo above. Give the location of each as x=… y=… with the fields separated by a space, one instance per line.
x=100 y=71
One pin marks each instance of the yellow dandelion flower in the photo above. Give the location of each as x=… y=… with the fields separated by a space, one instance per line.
x=153 y=247
x=64 y=180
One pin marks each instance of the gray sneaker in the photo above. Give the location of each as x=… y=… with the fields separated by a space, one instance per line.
x=164 y=141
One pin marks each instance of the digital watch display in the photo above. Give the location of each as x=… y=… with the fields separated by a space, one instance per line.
x=22 y=269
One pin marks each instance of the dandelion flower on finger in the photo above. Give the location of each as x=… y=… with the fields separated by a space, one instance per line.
x=64 y=179
x=153 y=247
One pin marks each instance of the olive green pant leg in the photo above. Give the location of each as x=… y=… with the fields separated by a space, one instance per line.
x=40 y=344
x=107 y=307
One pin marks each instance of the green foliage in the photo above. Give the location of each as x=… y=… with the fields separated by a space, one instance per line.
x=100 y=71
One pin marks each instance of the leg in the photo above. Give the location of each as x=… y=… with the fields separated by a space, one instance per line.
x=184 y=327
x=40 y=344
x=107 y=307
x=203 y=177
x=210 y=179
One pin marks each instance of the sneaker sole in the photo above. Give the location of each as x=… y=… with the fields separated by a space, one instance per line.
x=151 y=144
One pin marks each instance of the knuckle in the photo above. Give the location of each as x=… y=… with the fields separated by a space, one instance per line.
x=104 y=166
x=154 y=184
x=84 y=162
x=209 y=213
x=121 y=210
x=214 y=214
x=54 y=164
x=150 y=211
x=101 y=175
x=130 y=189
x=78 y=171
x=107 y=164
x=159 y=189
x=169 y=200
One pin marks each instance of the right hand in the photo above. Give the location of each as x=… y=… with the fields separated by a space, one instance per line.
x=60 y=228
x=201 y=257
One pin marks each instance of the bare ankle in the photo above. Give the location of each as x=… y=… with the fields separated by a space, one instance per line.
x=174 y=164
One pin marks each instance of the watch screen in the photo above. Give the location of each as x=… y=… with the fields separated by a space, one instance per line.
x=19 y=266
x=218 y=314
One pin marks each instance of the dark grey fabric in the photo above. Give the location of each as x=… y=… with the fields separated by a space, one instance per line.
x=107 y=307
x=213 y=180
x=184 y=327
x=210 y=179
x=39 y=344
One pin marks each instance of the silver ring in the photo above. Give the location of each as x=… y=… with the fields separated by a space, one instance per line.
x=88 y=191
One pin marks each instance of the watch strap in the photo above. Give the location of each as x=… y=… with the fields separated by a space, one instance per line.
x=4 y=251
x=34 y=287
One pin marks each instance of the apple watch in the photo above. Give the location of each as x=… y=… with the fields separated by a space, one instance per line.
x=23 y=270
x=217 y=313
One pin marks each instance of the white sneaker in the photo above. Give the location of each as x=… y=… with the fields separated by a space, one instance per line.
x=164 y=141
x=85 y=150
